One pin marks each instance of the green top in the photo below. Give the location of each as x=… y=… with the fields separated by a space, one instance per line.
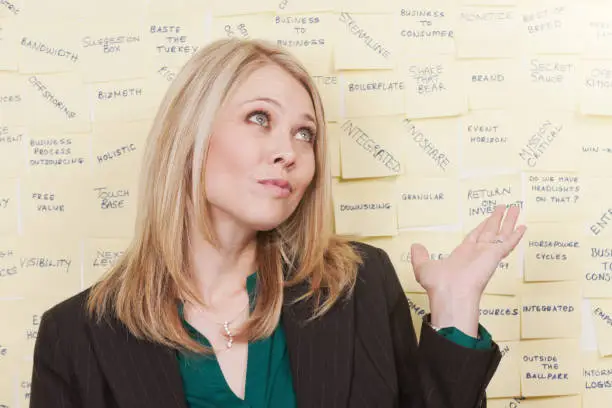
x=268 y=377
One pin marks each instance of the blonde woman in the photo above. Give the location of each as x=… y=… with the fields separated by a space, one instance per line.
x=235 y=292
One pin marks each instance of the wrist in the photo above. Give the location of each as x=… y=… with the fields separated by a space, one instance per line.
x=462 y=312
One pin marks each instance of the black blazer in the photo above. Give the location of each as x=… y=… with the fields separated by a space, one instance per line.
x=362 y=353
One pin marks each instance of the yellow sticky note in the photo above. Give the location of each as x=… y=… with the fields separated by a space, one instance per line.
x=596 y=32
x=602 y=315
x=132 y=99
x=489 y=2
x=53 y=205
x=100 y=254
x=431 y=147
x=365 y=207
x=506 y=381
x=545 y=137
x=552 y=197
x=550 y=310
x=487 y=32
x=58 y=102
x=596 y=88
x=25 y=382
x=487 y=137
x=485 y=80
x=481 y=194
x=65 y=10
x=553 y=402
x=595 y=146
x=597 y=270
x=9 y=43
x=373 y=93
x=597 y=206
x=371 y=147
x=118 y=148
x=49 y=267
x=241 y=7
x=550 y=367
x=9 y=206
x=419 y=307
x=107 y=9
x=434 y=200
x=551 y=27
x=514 y=402
x=554 y=251
x=12 y=150
x=434 y=87
x=329 y=88
x=597 y=374
x=10 y=268
x=500 y=316
x=549 y=81
x=364 y=6
x=15 y=103
x=305 y=6
x=114 y=50
x=64 y=154
x=506 y=279
x=247 y=26
x=425 y=28
x=8 y=381
x=333 y=133
x=195 y=6
x=111 y=205
x=174 y=37
x=49 y=48
x=364 y=41
x=12 y=8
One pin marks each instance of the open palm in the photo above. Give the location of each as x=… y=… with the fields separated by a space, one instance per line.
x=467 y=270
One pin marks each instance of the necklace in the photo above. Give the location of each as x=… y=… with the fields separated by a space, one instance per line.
x=227 y=329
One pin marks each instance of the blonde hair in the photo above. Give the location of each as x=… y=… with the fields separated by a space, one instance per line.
x=143 y=289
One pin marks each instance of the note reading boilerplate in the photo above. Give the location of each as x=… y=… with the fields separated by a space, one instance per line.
x=373 y=93
x=435 y=200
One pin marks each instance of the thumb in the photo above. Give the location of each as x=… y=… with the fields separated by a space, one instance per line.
x=418 y=256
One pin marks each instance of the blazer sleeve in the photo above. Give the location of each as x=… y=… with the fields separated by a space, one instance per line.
x=51 y=373
x=435 y=372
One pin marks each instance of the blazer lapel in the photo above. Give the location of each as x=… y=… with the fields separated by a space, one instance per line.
x=139 y=373
x=321 y=351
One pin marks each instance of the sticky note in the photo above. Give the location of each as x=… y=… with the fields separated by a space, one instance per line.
x=594 y=152
x=506 y=381
x=489 y=2
x=111 y=205
x=364 y=6
x=371 y=147
x=329 y=89
x=333 y=134
x=9 y=43
x=9 y=206
x=10 y=268
x=12 y=150
x=49 y=267
x=100 y=255
x=107 y=9
x=12 y=8
x=552 y=402
x=127 y=100
x=246 y=26
x=597 y=375
x=305 y=6
x=550 y=310
x=8 y=365
x=601 y=310
x=25 y=382
x=241 y=7
x=434 y=87
x=487 y=137
x=486 y=79
x=307 y=36
x=175 y=37
x=544 y=137
x=114 y=50
x=194 y=6
x=364 y=41
x=554 y=197
x=554 y=251
x=424 y=28
x=373 y=93
x=596 y=88
x=504 y=402
x=419 y=307
x=49 y=48
x=119 y=146
x=427 y=201
x=501 y=316
x=14 y=99
x=365 y=207
x=550 y=367
x=431 y=147
x=596 y=29
x=487 y=32
x=53 y=205
x=597 y=270
x=480 y=195
x=549 y=81
x=58 y=102
x=552 y=28
x=64 y=154
x=506 y=279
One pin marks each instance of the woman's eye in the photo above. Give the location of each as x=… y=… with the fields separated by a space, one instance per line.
x=259 y=118
x=306 y=134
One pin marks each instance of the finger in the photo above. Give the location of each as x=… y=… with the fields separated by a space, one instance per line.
x=475 y=233
x=419 y=255
x=491 y=229
x=512 y=241
x=509 y=222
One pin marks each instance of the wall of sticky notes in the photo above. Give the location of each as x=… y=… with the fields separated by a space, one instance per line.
x=438 y=110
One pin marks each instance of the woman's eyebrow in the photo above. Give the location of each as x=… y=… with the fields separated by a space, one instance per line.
x=273 y=101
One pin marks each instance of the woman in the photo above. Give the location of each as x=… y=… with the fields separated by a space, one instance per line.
x=235 y=293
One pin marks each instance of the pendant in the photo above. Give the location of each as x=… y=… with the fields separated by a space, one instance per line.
x=228 y=332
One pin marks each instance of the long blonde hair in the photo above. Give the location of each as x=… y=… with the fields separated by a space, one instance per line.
x=144 y=287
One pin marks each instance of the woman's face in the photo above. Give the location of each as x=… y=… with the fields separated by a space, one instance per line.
x=261 y=155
